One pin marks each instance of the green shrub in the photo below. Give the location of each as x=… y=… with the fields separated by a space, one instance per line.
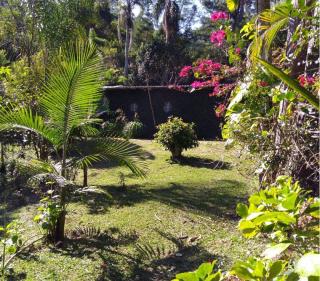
x=289 y=218
x=133 y=129
x=176 y=136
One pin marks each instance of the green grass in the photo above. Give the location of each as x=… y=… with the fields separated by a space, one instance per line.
x=176 y=218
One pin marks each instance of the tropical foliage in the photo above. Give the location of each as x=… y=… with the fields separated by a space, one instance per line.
x=260 y=64
x=66 y=119
x=290 y=220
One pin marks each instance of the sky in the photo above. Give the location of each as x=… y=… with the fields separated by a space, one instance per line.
x=196 y=24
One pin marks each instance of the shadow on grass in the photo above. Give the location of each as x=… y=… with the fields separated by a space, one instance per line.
x=156 y=262
x=220 y=200
x=110 y=196
x=199 y=162
x=13 y=197
x=85 y=241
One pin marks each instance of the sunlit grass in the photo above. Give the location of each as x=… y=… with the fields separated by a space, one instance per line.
x=176 y=218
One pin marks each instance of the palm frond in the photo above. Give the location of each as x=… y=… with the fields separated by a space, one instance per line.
x=271 y=33
x=269 y=23
x=25 y=119
x=72 y=92
x=111 y=149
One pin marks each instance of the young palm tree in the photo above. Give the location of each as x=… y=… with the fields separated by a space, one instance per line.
x=70 y=99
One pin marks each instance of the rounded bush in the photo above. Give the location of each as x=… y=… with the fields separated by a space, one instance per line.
x=176 y=136
x=133 y=129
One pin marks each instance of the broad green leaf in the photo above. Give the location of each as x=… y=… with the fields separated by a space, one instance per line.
x=309 y=265
x=242 y=210
x=247 y=228
x=204 y=270
x=187 y=276
x=274 y=217
x=214 y=277
x=275 y=269
x=275 y=250
x=314 y=209
x=255 y=199
x=254 y=215
x=292 y=83
x=290 y=202
x=259 y=270
x=293 y=277
x=242 y=271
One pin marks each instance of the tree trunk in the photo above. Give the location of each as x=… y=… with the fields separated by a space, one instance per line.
x=128 y=38
x=262 y=5
x=126 y=53
x=176 y=153
x=2 y=165
x=238 y=15
x=59 y=230
x=85 y=176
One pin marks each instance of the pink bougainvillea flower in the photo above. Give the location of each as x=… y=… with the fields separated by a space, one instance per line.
x=198 y=84
x=220 y=110
x=176 y=87
x=302 y=80
x=238 y=51
x=263 y=83
x=216 y=91
x=306 y=80
x=215 y=16
x=206 y=67
x=217 y=37
x=311 y=80
x=185 y=71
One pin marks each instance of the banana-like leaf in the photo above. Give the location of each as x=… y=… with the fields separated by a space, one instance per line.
x=232 y=5
x=292 y=83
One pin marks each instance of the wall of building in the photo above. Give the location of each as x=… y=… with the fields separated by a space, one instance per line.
x=192 y=107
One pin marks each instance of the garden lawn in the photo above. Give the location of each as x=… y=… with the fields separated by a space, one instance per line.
x=178 y=217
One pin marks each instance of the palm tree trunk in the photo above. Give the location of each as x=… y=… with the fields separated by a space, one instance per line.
x=126 y=53
x=85 y=176
x=2 y=165
x=129 y=27
x=59 y=230
x=60 y=224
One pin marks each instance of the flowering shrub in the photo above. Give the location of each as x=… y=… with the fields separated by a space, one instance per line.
x=218 y=15
x=208 y=73
x=218 y=37
x=185 y=71
x=305 y=80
